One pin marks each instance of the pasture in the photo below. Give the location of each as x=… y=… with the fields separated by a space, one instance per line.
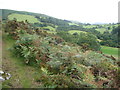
x=50 y=28
x=22 y=17
x=89 y=26
x=73 y=24
x=76 y=31
x=110 y=50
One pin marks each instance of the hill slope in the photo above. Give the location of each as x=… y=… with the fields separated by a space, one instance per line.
x=57 y=63
x=104 y=32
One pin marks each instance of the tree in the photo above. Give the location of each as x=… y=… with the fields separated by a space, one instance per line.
x=116 y=30
x=86 y=40
x=89 y=41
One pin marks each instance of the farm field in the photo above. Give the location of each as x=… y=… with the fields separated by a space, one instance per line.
x=89 y=26
x=102 y=30
x=52 y=32
x=22 y=17
x=50 y=28
x=110 y=50
x=73 y=24
x=75 y=31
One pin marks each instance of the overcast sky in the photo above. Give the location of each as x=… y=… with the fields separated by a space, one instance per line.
x=86 y=11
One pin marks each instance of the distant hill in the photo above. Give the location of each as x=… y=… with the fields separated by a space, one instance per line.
x=7 y=12
x=52 y=25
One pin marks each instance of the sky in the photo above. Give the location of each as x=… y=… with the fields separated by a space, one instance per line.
x=85 y=11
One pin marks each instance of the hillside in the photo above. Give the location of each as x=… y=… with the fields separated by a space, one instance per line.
x=104 y=32
x=36 y=58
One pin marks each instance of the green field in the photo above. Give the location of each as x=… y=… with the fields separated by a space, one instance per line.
x=22 y=17
x=76 y=31
x=99 y=40
x=52 y=32
x=50 y=28
x=89 y=26
x=73 y=24
x=110 y=50
x=101 y=30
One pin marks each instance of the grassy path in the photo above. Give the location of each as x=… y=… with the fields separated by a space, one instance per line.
x=23 y=76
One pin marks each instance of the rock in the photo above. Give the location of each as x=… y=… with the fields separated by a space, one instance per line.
x=1 y=72
x=1 y=78
x=5 y=77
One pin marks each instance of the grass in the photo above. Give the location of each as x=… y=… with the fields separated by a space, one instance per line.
x=23 y=76
x=50 y=28
x=101 y=30
x=22 y=17
x=110 y=50
x=89 y=26
x=99 y=40
x=52 y=32
x=73 y=24
x=76 y=31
